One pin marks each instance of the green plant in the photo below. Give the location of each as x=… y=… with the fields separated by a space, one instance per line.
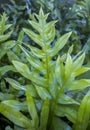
x=18 y=13
x=4 y=36
x=84 y=10
x=82 y=122
x=51 y=80
x=83 y=13
x=8 y=48
x=5 y=45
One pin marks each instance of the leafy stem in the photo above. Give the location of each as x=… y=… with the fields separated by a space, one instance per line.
x=45 y=51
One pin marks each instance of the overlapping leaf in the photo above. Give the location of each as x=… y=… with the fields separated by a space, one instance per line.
x=15 y=116
x=24 y=70
x=83 y=116
x=32 y=110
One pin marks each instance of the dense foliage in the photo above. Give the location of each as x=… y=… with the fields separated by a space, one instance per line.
x=44 y=65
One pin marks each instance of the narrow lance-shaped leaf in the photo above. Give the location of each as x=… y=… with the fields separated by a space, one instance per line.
x=7 y=27
x=3 y=25
x=20 y=37
x=41 y=17
x=81 y=71
x=78 y=62
x=15 y=84
x=44 y=115
x=36 y=26
x=66 y=111
x=32 y=110
x=32 y=60
x=19 y=42
x=15 y=116
x=5 y=69
x=83 y=114
x=59 y=44
x=49 y=35
x=68 y=66
x=8 y=45
x=65 y=99
x=59 y=124
x=43 y=92
x=49 y=32
x=78 y=85
x=16 y=105
x=59 y=71
x=35 y=37
x=4 y=47
x=24 y=70
x=35 y=51
x=12 y=55
x=5 y=37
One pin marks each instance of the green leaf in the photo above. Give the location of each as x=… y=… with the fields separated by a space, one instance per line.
x=49 y=25
x=59 y=124
x=32 y=59
x=36 y=26
x=19 y=42
x=24 y=70
x=65 y=99
x=32 y=90
x=20 y=37
x=78 y=62
x=5 y=69
x=59 y=71
x=49 y=32
x=4 y=47
x=81 y=71
x=5 y=37
x=16 y=105
x=32 y=110
x=66 y=111
x=35 y=37
x=83 y=114
x=15 y=84
x=12 y=55
x=44 y=115
x=8 y=45
x=68 y=66
x=41 y=16
x=7 y=27
x=3 y=25
x=15 y=116
x=37 y=52
x=43 y=93
x=4 y=96
x=70 y=49
x=78 y=85
x=59 y=44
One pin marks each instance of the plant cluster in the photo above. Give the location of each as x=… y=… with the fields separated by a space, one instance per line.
x=72 y=15
x=39 y=84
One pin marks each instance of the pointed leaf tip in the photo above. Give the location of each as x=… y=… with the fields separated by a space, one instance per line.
x=41 y=11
